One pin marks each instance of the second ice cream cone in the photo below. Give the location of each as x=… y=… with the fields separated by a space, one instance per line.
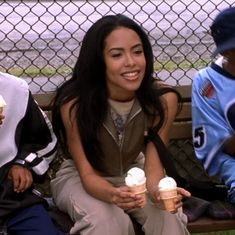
x=168 y=192
x=168 y=196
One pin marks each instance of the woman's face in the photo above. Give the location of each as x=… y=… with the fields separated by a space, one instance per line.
x=125 y=63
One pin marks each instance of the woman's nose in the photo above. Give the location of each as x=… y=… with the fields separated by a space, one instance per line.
x=129 y=60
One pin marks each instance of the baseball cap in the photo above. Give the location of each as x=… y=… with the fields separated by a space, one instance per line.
x=223 y=30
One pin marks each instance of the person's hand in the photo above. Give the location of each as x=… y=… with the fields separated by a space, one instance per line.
x=181 y=193
x=21 y=178
x=1 y=118
x=124 y=199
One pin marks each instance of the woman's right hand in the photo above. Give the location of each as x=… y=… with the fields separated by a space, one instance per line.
x=126 y=200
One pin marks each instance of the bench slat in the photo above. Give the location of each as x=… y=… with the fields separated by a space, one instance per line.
x=206 y=224
x=185 y=113
x=44 y=100
x=181 y=130
x=185 y=92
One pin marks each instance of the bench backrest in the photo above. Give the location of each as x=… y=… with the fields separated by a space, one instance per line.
x=182 y=124
x=182 y=127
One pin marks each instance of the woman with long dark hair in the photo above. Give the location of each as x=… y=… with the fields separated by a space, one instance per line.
x=101 y=117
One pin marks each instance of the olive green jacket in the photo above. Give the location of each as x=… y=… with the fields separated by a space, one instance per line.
x=120 y=152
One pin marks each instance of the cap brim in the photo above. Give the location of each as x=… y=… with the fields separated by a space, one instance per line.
x=224 y=47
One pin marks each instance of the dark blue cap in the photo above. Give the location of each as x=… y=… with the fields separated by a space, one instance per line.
x=223 y=30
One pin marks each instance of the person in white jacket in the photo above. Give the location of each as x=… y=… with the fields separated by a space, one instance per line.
x=27 y=146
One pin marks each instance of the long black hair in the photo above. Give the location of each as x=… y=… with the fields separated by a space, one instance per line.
x=88 y=89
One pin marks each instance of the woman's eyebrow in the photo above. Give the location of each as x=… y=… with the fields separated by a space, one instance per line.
x=121 y=48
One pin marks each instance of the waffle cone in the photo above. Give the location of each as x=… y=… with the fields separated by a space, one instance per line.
x=140 y=190
x=168 y=196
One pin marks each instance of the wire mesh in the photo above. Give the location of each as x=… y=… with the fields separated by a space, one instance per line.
x=40 y=40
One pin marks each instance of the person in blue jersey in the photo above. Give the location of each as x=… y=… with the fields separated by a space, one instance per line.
x=27 y=146
x=213 y=104
x=101 y=117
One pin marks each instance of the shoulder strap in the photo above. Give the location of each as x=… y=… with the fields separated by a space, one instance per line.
x=206 y=190
x=168 y=163
x=165 y=157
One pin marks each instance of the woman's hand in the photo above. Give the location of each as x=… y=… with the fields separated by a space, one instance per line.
x=181 y=193
x=126 y=200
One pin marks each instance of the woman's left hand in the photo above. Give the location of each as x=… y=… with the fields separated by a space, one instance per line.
x=181 y=193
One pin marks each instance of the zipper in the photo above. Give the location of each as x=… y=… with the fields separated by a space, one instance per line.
x=120 y=139
x=119 y=143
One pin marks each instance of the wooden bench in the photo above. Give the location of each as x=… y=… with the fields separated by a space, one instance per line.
x=181 y=132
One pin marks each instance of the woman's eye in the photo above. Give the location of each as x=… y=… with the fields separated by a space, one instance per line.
x=138 y=52
x=116 y=55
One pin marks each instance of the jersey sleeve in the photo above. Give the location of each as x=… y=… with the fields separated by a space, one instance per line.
x=210 y=128
x=36 y=141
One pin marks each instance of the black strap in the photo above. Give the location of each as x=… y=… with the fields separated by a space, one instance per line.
x=206 y=190
x=166 y=158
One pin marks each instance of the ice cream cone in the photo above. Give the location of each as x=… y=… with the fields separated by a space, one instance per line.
x=168 y=196
x=2 y=104
x=168 y=192
x=136 y=182
x=140 y=190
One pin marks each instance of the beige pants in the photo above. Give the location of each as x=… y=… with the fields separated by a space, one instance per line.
x=95 y=217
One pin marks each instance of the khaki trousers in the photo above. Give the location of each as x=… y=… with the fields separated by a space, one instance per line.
x=94 y=217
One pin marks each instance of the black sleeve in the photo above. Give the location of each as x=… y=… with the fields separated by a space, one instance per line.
x=35 y=139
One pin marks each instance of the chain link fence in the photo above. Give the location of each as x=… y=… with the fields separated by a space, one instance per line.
x=40 y=40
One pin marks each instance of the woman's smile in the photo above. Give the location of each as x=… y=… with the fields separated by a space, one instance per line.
x=130 y=75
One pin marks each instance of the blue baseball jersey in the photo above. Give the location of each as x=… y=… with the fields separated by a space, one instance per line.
x=213 y=116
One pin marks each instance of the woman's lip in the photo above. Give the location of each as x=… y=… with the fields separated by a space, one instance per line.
x=131 y=75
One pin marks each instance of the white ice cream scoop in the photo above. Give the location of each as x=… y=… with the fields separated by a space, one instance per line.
x=167 y=183
x=135 y=176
